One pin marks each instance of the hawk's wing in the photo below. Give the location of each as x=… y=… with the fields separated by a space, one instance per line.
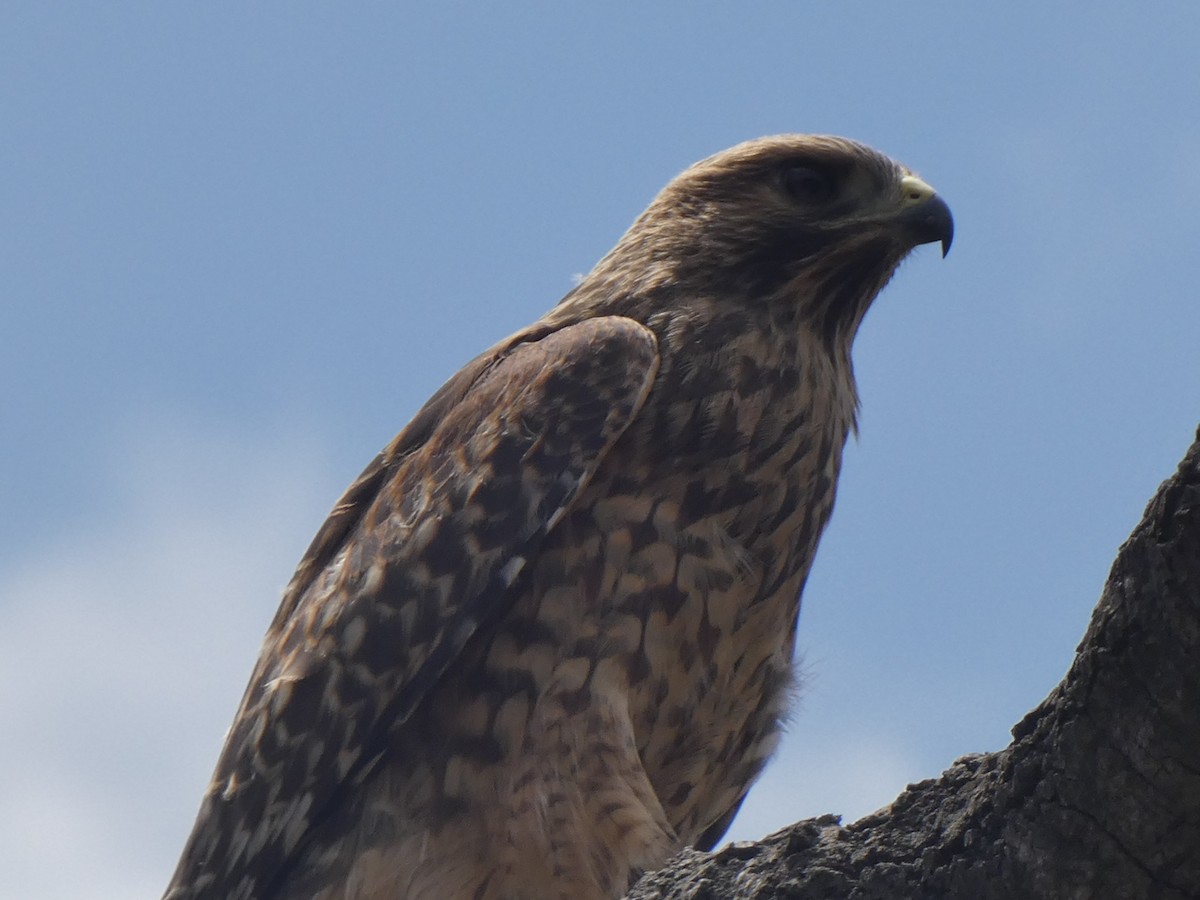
x=421 y=549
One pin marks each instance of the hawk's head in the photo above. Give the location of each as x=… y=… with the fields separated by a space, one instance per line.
x=812 y=224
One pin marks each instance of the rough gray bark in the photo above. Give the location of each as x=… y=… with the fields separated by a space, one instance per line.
x=1098 y=796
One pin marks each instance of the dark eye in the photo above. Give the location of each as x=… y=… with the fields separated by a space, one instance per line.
x=808 y=185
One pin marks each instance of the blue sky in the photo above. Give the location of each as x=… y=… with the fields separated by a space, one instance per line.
x=241 y=244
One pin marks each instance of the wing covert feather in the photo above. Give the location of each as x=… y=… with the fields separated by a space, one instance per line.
x=421 y=550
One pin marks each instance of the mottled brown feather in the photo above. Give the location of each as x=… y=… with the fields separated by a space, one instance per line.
x=545 y=640
x=360 y=639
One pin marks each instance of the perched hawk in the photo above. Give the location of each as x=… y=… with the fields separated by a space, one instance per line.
x=545 y=640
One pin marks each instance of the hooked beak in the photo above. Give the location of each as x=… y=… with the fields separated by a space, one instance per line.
x=925 y=215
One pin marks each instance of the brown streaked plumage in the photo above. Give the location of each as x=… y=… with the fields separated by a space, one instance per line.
x=545 y=640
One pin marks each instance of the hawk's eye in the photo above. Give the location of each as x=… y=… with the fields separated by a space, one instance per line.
x=808 y=185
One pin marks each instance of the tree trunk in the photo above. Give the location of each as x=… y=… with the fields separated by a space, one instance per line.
x=1098 y=795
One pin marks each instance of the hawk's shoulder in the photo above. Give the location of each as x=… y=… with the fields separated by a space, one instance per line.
x=420 y=550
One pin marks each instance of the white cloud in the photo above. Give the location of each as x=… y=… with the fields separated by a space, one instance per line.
x=127 y=644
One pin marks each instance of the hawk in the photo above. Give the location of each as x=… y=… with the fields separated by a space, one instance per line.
x=545 y=640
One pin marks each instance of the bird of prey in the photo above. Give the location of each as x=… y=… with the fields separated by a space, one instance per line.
x=545 y=640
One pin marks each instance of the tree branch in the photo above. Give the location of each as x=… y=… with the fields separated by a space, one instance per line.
x=1098 y=795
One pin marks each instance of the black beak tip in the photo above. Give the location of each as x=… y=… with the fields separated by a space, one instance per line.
x=946 y=222
x=931 y=221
